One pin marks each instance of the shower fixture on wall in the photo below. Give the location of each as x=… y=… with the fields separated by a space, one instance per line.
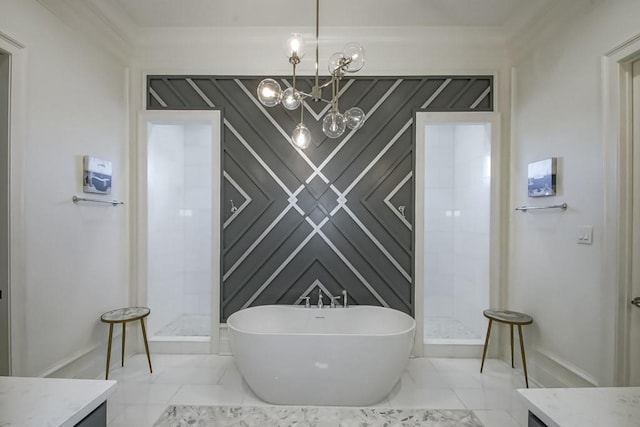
x=350 y=60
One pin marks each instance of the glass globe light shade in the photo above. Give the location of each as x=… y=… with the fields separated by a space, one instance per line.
x=269 y=92
x=290 y=98
x=356 y=53
x=354 y=117
x=301 y=137
x=335 y=62
x=294 y=46
x=334 y=124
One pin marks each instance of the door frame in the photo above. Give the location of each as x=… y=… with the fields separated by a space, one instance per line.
x=140 y=268
x=495 y=226
x=16 y=293
x=618 y=207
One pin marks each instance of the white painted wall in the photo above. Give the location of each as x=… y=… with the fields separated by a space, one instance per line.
x=76 y=257
x=557 y=112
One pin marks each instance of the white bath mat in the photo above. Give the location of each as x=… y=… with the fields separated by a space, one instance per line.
x=281 y=416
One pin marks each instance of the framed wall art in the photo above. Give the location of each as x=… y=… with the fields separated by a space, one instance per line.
x=541 y=178
x=97 y=175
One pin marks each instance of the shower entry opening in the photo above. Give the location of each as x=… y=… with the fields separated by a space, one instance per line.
x=179 y=231
x=455 y=239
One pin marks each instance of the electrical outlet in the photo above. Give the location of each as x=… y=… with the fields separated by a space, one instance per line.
x=584 y=235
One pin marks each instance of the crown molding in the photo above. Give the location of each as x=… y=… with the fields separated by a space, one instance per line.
x=101 y=24
x=543 y=25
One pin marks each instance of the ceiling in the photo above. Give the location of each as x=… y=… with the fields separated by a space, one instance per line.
x=339 y=13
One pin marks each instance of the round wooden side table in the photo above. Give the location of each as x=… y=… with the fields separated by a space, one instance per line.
x=510 y=318
x=125 y=315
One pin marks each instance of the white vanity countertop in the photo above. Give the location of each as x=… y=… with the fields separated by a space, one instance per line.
x=585 y=407
x=26 y=402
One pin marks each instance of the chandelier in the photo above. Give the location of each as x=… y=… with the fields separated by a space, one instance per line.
x=334 y=124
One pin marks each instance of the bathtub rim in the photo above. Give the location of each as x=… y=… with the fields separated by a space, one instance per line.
x=411 y=329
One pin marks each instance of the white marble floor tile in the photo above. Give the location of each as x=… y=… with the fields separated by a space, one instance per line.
x=114 y=409
x=210 y=361
x=458 y=365
x=138 y=415
x=486 y=398
x=190 y=375
x=132 y=375
x=497 y=418
x=428 y=383
x=427 y=379
x=420 y=363
x=519 y=410
x=411 y=397
x=499 y=379
x=209 y=395
x=144 y=394
x=250 y=399
x=461 y=379
x=231 y=378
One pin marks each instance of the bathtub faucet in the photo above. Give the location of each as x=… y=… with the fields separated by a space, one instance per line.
x=345 y=304
x=307 y=304
x=320 y=303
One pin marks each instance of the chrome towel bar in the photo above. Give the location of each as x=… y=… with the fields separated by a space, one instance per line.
x=77 y=199
x=562 y=206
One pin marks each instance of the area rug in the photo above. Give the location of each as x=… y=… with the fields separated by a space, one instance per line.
x=281 y=416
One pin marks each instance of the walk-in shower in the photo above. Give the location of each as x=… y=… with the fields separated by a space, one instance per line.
x=456 y=237
x=179 y=228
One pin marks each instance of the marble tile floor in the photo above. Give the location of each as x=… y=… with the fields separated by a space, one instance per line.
x=187 y=325
x=209 y=380
x=447 y=328
x=309 y=416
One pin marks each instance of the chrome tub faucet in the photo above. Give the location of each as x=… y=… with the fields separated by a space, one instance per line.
x=307 y=304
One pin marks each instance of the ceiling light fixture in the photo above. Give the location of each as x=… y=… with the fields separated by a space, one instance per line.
x=350 y=60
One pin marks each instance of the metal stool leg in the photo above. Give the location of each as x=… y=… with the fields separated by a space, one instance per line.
x=146 y=344
x=106 y=376
x=486 y=344
x=511 y=331
x=524 y=359
x=124 y=332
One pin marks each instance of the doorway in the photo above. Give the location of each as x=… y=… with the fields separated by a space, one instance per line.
x=456 y=207
x=634 y=325
x=621 y=234
x=5 y=353
x=179 y=229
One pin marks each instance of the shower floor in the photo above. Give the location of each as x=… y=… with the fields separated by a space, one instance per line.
x=188 y=325
x=446 y=328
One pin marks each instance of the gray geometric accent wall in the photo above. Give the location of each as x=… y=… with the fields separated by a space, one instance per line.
x=338 y=215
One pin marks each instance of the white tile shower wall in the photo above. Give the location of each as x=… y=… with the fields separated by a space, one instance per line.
x=439 y=163
x=471 y=230
x=457 y=223
x=197 y=221
x=166 y=242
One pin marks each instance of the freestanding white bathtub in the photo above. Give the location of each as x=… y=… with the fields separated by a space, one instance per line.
x=291 y=355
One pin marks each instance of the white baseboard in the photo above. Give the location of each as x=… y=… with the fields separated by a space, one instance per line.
x=550 y=370
x=90 y=363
